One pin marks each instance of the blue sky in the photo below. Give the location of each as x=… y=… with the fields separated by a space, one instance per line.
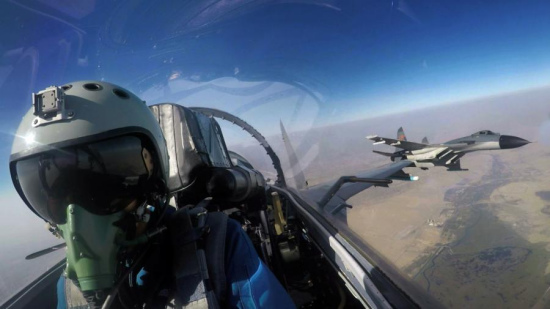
x=457 y=53
x=366 y=58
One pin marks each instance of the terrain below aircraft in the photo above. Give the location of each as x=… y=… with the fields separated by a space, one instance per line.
x=448 y=154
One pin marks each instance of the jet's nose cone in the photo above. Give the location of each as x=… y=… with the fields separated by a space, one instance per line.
x=508 y=142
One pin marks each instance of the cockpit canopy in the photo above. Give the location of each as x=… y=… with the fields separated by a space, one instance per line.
x=485 y=132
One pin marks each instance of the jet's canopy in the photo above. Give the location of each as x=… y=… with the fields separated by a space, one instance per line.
x=485 y=132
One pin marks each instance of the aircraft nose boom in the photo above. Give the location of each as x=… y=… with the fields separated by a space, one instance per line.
x=508 y=142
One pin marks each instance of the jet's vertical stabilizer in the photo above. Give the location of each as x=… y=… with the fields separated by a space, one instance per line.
x=401 y=134
x=425 y=140
x=299 y=177
x=400 y=137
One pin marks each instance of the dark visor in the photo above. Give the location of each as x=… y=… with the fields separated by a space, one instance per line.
x=103 y=177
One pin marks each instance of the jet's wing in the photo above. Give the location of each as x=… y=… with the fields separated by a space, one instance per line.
x=384 y=172
x=347 y=190
x=396 y=143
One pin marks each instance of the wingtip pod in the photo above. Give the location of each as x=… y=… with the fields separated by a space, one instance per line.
x=371 y=136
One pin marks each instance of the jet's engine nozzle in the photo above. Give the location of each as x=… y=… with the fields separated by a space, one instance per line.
x=508 y=142
x=235 y=184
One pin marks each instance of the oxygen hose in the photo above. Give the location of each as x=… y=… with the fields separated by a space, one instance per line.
x=114 y=291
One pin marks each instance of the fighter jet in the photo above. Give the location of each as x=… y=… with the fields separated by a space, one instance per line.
x=448 y=154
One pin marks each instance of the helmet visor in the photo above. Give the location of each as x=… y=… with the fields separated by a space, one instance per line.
x=103 y=177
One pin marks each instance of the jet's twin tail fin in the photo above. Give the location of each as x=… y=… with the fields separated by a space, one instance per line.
x=402 y=137
x=401 y=134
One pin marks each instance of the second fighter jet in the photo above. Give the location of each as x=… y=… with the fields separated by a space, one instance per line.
x=447 y=154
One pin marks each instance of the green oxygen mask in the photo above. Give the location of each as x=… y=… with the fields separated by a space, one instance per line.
x=91 y=247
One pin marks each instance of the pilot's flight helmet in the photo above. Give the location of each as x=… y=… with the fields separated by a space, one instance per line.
x=89 y=143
